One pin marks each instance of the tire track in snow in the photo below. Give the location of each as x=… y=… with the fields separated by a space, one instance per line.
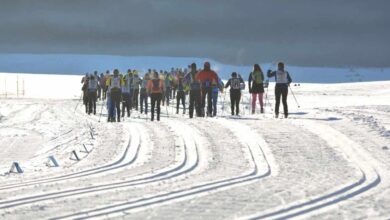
x=369 y=176
x=256 y=154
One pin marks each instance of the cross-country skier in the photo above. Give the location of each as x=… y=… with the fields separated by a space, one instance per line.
x=156 y=89
x=217 y=87
x=180 y=96
x=92 y=94
x=135 y=87
x=167 y=77
x=143 y=95
x=235 y=92
x=84 y=88
x=195 y=91
x=206 y=76
x=283 y=80
x=256 y=88
x=115 y=84
x=126 y=95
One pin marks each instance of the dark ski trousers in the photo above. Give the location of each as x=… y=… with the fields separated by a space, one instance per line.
x=92 y=102
x=167 y=95
x=173 y=92
x=281 y=91
x=99 y=95
x=85 y=100
x=206 y=92
x=195 y=102
x=115 y=103
x=215 y=100
x=135 y=95
x=125 y=104
x=143 y=98
x=180 y=96
x=156 y=100
x=235 y=96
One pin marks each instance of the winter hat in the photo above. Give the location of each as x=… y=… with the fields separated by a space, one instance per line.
x=280 y=65
x=234 y=74
x=193 y=66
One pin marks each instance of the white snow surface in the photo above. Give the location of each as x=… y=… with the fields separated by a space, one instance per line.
x=329 y=160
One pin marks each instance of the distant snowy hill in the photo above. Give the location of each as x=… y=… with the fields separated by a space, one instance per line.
x=75 y=64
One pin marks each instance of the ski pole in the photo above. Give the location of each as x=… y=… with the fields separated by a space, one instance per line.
x=81 y=96
x=249 y=103
x=223 y=103
x=294 y=96
x=101 y=110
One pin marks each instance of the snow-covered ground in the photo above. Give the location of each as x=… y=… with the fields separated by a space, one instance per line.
x=329 y=160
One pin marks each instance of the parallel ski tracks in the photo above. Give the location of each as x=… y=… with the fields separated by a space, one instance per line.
x=369 y=179
x=121 y=162
x=256 y=154
x=165 y=173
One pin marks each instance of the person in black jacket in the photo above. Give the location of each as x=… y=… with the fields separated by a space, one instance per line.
x=256 y=88
x=283 y=80
x=235 y=92
x=195 y=91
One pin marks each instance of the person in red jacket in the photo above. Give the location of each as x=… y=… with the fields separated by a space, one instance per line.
x=156 y=90
x=206 y=77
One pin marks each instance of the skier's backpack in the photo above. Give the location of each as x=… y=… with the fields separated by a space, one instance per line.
x=257 y=77
x=92 y=85
x=235 y=83
x=115 y=83
x=156 y=85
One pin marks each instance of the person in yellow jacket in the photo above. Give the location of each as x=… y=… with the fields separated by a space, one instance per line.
x=114 y=85
x=156 y=90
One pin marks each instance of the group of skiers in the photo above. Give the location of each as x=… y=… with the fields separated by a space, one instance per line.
x=126 y=91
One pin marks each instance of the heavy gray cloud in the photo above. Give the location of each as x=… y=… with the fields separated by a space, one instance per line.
x=300 y=32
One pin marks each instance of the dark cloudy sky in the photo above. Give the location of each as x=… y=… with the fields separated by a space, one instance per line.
x=241 y=32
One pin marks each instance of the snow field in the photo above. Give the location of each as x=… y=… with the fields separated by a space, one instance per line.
x=328 y=160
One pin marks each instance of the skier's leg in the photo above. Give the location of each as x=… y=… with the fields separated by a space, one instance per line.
x=118 y=106
x=284 y=100
x=183 y=101
x=177 y=102
x=153 y=101
x=278 y=93
x=94 y=103
x=192 y=102
x=238 y=98
x=136 y=94
x=232 y=102
x=146 y=103
x=254 y=102
x=209 y=102
x=141 y=99
x=159 y=96
x=261 y=98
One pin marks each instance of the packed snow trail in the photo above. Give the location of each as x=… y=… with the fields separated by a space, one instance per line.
x=330 y=159
x=243 y=197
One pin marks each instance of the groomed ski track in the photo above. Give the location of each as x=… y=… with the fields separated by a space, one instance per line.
x=249 y=167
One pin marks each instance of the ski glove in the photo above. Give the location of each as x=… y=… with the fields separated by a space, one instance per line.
x=269 y=72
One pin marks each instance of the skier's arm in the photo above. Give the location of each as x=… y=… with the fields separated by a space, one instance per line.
x=270 y=73
x=228 y=83
x=289 y=78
